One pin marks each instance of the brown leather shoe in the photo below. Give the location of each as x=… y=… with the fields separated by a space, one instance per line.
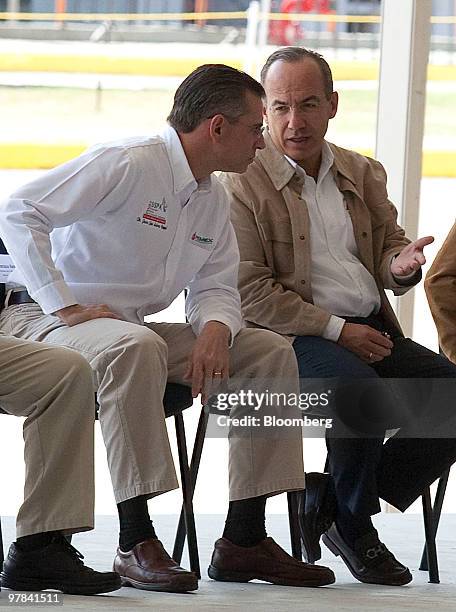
x=265 y=561
x=148 y=566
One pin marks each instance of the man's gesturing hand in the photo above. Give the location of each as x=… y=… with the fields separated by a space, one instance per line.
x=368 y=343
x=208 y=363
x=72 y=315
x=411 y=258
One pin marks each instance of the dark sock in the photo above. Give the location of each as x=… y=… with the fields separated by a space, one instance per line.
x=35 y=541
x=135 y=523
x=245 y=522
x=353 y=526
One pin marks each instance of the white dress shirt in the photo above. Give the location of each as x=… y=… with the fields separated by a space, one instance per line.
x=130 y=227
x=340 y=282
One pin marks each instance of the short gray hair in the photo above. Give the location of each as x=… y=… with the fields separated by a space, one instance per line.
x=296 y=54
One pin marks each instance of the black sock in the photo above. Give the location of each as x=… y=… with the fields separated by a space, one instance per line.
x=135 y=523
x=36 y=540
x=353 y=526
x=245 y=522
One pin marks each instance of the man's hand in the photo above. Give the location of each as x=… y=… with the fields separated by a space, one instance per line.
x=411 y=258
x=72 y=315
x=366 y=342
x=208 y=363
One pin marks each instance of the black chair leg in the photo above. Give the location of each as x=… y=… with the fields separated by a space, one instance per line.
x=2 y=555
x=430 y=538
x=194 y=467
x=435 y=517
x=295 y=534
x=187 y=494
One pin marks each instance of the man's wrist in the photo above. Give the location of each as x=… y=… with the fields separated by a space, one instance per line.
x=220 y=327
x=67 y=310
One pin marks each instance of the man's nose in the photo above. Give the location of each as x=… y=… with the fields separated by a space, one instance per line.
x=296 y=119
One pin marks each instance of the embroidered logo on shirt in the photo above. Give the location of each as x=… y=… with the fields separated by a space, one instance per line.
x=203 y=240
x=155 y=214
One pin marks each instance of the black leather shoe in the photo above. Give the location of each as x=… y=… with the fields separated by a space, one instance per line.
x=370 y=561
x=57 y=566
x=317 y=510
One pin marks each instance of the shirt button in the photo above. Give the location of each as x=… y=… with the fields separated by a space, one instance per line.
x=364 y=234
x=303 y=282
x=302 y=237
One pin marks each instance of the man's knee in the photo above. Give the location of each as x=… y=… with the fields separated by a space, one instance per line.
x=264 y=339
x=270 y=352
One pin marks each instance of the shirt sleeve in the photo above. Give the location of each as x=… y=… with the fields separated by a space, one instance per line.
x=212 y=294
x=96 y=181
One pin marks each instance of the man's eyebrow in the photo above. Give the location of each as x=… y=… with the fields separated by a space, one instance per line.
x=312 y=98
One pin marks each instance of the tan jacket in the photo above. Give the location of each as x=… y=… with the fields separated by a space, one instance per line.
x=272 y=226
x=440 y=286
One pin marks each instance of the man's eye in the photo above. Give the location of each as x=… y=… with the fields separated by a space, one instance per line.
x=281 y=109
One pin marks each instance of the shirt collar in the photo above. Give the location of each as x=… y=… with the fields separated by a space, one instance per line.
x=183 y=179
x=281 y=171
x=327 y=160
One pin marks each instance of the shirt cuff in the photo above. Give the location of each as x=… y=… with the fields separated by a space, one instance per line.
x=333 y=329
x=233 y=326
x=54 y=297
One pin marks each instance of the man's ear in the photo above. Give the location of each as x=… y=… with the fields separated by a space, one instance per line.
x=216 y=125
x=334 y=101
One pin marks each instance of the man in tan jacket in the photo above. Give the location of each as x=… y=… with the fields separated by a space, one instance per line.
x=440 y=286
x=319 y=244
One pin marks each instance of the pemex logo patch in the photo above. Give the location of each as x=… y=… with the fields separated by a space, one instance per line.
x=200 y=240
x=155 y=214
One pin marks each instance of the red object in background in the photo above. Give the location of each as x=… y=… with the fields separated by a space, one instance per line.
x=60 y=6
x=288 y=32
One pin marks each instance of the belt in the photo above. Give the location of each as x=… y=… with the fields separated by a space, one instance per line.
x=20 y=297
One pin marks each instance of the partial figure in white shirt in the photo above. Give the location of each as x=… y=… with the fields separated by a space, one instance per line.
x=117 y=234
x=319 y=244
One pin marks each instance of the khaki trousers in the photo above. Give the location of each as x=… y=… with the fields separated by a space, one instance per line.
x=51 y=387
x=131 y=365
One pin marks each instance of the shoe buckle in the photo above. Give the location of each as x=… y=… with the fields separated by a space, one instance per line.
x=375 y=551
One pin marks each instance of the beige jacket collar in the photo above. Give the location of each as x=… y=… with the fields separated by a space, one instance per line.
x=281 y=172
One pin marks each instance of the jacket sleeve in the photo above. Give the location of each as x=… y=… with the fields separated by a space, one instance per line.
x=440 y=287
x=213 y=294
x=72 y=192
x=384 y=218
x=265 y=302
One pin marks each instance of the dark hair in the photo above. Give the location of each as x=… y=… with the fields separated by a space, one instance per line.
x=209 y=90
x=296 y=54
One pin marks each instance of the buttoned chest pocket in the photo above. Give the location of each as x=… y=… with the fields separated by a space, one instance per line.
x=279 y=240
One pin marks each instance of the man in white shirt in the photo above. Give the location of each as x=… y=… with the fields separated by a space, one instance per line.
x=51 y=387
x=319 y=245
x=117 y=234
